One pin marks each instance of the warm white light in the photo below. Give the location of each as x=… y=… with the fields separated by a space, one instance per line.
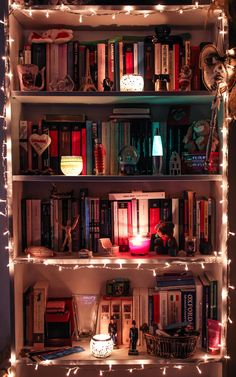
x=47 y=14
x=199 y=370
x=224 y=293
x=81 y=18
x=154 y=272
x=160 y=7
x=36 y=367
x=30 y=12
x=146 y=15
x=186 y=267
x=113 y=16
x=60 y=268
x=128 y=9
x=181 y=11
x=164 y=371
x=101 y=373
x=202 y=264
x=68 y=373
x=224 y=218
x=130 y=370
x=231 y=233
x=230 y=320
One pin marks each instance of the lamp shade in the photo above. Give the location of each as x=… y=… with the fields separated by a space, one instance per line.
x=101 y=345
x=71 y=165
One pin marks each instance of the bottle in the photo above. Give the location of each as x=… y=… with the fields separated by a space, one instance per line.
x=99 y=153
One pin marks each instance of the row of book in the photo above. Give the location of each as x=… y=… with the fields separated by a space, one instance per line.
x=73 y=137
x=116 y=57
x=118 y=217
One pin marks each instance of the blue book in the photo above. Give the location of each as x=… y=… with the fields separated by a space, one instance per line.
x=116 y=66
x=205 y=309
x=188 y=306
x=141 y=58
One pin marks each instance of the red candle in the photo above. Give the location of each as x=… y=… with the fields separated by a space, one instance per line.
x=139 y=245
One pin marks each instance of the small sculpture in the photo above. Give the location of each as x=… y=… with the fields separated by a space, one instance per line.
x=107 y=84
x=165 y=242
x=133 y=336
x=112 y=330
x=28 y=74
x=64 y=85
x=68 y=229
x=185 y=77
x=87 y=81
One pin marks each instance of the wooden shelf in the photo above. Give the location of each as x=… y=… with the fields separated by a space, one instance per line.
x=120 y=357
x=122 y=259
x=117 y=178
x=112 y=98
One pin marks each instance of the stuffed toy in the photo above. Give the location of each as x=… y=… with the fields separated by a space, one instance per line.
x=165 y=242
x=197 y=135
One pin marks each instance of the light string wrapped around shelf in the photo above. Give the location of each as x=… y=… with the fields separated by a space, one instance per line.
x=5 y=206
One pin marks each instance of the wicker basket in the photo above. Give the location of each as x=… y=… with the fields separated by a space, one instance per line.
x=179 y=347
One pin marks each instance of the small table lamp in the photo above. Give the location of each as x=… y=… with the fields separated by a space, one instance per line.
x=157 y=153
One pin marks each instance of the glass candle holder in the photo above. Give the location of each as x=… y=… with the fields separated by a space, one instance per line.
x=71 y=165
x=101 y=345
x=131 y=83
x=139 y=245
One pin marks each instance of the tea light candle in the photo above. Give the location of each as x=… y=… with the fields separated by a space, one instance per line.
x=139 y=245
x=71 y=165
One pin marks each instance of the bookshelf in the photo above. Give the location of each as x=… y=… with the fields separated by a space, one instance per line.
x=69 y=275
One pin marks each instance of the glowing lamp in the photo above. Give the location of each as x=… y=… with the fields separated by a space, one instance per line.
x=139 y=245
x=157 y=153
x=101 y=345
x=71 y=165
x=131 y=83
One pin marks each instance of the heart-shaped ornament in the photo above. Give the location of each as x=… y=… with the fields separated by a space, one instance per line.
x=40 y=142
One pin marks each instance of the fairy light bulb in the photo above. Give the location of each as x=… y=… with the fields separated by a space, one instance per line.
x=198 y=369
x=113 y=16
x=181 y=11
x=81 y=18
x=47 y=14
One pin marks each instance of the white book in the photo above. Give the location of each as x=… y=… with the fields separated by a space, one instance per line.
x=101 y=61
x=28 y=222
x=163 y=309
x=134 y=213
x=106 y=136
x=143 y=216
x=127 y=317
x=157 y=58
x=199 y=297
x=114 y=212
x=136 y=195
x=135 y=52
x=175 y=217
x=40 y=291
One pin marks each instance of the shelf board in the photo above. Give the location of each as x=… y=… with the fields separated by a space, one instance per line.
x=117 y=178
x=120 y=357
x=112 y=98
x=127 y=259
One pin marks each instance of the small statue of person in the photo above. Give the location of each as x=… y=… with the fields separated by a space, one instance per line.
x=133 y=336
x=112 y=330
x=68 y=228
x=107 y=84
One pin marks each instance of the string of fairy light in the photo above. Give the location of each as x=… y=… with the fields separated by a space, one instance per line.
x=107 y=263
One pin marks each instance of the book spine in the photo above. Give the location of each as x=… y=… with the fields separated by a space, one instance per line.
x=76 y=64
x=36 y=221
x=89 y=149
x=117 y=66
x=40 y=297
x=143 y=216
x=135 y=48
x=76 y=139
x=188 y=298
x=128 y=53
x=54 y=147
x=127 y=317
x=141 y=58
x=46 y=153
x=23 y=145
x=101 y=57
x=174 y=306
x=148 y=66
x=65 y=139
x=123 y=240
x=84 y=149
x=45 y=224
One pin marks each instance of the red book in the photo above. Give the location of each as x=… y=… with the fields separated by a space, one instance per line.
x=76 y=139
x=154 y=214
x=129 y=58
x=176 y=57
x=194 y=63
x=65 y=139
x=54 y=147
x=156 y=307
x=84 y=149
x=111 y=61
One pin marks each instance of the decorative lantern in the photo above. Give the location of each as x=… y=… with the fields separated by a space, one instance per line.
x=101 y=345
x=131 y=83
x=157 y=153
x=71 y=165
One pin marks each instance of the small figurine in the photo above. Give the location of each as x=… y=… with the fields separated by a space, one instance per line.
x=112 y=330
x=185 y=77
x=68 y=229
x=133 y=336
x=107 y=84
x=165 y=242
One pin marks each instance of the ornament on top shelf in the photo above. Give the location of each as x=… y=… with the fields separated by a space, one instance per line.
x=51 y=36
x=28 y=74
x=175 y=164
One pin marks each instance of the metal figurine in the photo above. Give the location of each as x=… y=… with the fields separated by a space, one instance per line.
x=68 y=228
x=133 y=336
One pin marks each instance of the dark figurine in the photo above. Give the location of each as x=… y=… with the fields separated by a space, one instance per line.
x=165 y=242
x=107 y=84
x=133 y=336
x=112 y=330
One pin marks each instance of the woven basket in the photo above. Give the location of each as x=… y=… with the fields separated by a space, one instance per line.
x=179 y=347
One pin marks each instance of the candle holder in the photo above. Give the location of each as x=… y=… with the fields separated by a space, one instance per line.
x=139 y=245
x=71 y=165
x=101 y=345
x=131 y=83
